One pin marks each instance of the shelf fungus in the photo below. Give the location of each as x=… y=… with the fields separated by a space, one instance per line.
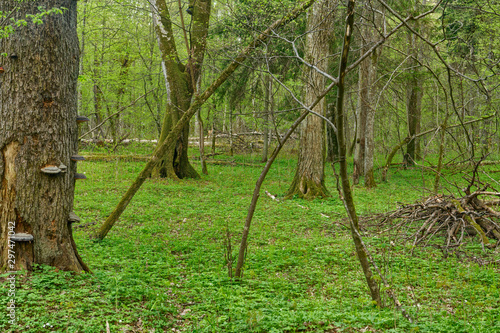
x=73 y=218
x=21 y=237
x=77 y=158
x=54 y=170
x=51 y=170
x=81 y=119
x=80 y=176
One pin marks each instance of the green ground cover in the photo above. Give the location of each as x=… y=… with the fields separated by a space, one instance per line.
x=163 y=268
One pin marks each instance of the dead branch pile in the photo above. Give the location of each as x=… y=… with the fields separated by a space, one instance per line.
x=445 y=215
x=453 y=218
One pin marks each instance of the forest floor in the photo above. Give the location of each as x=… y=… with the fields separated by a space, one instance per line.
x=164 y=268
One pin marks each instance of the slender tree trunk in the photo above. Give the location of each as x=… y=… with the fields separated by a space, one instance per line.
x=346 y=187
x=413 y=102
x=333 y=148
x=363 y=162
x=359 y=148
x=201 y=136
x=231 y=152
x=214 y=120
x=370 y=124
x=97 y=91
x=309 y=179
x=267 y=105
x=38 y=129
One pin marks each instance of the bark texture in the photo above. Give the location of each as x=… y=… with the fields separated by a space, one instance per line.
x=309 y=179
x=38 y=109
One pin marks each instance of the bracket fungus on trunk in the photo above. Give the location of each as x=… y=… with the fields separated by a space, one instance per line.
x=81 y=119
x=21 y=237
x=51 y=170
x=80 y=176
x=77 y=158
x=54 y=170
x=73 y=218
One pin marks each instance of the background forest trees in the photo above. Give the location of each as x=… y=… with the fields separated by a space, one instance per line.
x=442 y=66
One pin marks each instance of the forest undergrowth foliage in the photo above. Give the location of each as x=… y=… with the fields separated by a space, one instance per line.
x=164 y=266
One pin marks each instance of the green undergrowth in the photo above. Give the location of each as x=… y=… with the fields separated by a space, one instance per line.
x=162 y=268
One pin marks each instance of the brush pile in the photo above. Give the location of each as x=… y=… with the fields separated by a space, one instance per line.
x=451 y=219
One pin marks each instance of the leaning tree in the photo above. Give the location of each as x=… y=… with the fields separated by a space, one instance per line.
x=38 y=136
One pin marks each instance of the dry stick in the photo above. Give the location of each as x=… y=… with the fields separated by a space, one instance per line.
x=170 y=140
x=114 y=114
x=346 y=188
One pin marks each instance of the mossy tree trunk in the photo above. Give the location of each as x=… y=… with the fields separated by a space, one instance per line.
x=182 y=78
x=309 y=179
x=38 y=109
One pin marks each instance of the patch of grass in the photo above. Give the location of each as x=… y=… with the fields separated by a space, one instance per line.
x=162 y=267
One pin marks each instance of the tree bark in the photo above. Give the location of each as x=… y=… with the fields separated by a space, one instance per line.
x=309 y=179
x=38 y=128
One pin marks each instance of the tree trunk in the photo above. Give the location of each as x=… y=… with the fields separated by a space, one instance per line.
x=182 y=79
x=267 y=105
x=346 y=188
x=413 y=102
x=363 y=161
x=38 y=129
x=359 y=148
x=370 y=123
x=333 y=147
x=309 y=179
x=201 y=136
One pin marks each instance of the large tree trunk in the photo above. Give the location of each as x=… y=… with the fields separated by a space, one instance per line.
x=38 y=129
x=309 y=179
x=182 y=79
